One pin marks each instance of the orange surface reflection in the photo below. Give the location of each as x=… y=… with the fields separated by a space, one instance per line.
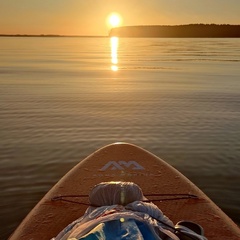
x=114 y=53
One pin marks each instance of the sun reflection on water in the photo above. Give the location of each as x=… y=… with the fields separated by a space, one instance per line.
x=114 y=53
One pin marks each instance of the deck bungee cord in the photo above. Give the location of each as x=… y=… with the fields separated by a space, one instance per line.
x=167 y=197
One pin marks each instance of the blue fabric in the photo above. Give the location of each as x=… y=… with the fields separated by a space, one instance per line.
x=128 y=229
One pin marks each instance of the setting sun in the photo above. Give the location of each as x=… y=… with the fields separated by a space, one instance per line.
x=114 y=20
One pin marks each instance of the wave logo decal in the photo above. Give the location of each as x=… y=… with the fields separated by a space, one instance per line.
x=121 y=165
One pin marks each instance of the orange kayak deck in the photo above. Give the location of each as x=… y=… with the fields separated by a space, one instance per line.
x=125 y=162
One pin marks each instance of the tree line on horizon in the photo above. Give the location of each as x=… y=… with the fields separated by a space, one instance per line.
x=190 y=30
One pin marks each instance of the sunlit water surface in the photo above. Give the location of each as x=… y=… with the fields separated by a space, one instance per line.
x=63 y=98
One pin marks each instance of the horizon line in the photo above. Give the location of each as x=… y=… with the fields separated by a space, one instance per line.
x=76 y=35
x=48 y=35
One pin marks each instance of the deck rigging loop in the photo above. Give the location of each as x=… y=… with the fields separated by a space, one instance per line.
x=162 y=197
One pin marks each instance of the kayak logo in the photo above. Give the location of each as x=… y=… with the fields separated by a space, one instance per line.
x=121 y=165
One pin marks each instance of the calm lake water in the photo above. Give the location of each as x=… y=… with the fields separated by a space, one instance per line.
x=63 y=98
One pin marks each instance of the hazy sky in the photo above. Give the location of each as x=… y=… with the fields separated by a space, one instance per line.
x=88 y=17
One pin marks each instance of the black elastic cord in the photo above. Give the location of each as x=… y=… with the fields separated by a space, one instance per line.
x=64 y=198
x=167 y=197
x=170 y=197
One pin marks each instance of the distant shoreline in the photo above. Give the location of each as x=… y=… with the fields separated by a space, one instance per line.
x=178 y=31
x=50 y=36
x=157 y=31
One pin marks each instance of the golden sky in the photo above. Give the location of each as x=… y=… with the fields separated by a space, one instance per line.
x=88 y=17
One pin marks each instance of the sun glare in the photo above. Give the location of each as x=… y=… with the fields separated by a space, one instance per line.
x=114 y=20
